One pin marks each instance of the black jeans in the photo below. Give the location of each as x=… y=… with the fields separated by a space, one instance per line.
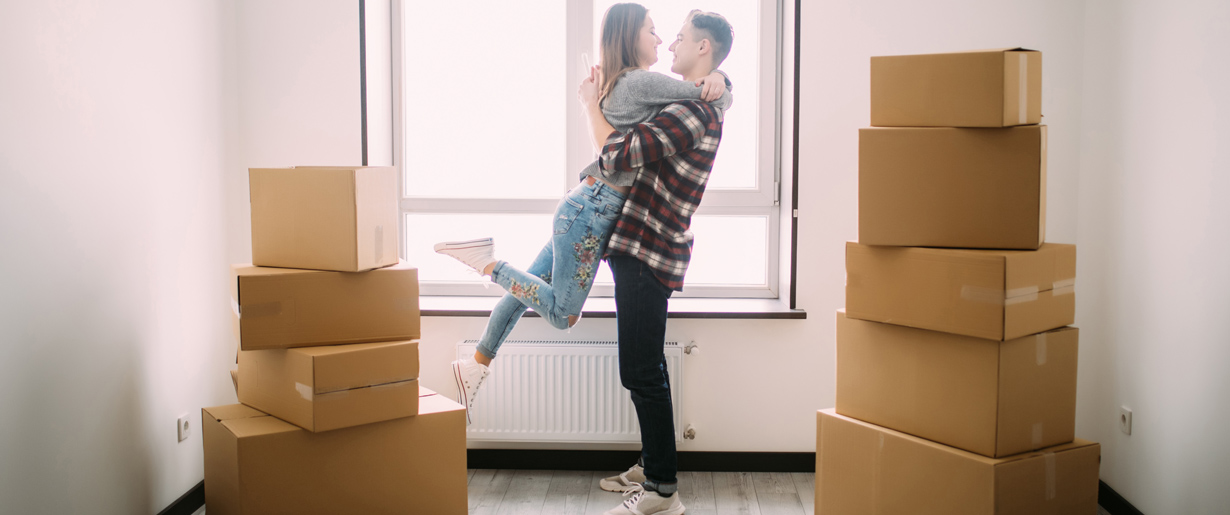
x=640 y=312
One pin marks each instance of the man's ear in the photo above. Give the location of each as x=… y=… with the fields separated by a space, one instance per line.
x=705 y=47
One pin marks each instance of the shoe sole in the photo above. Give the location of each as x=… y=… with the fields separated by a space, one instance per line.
x=461 y=391
x=457 y=245
x=611 y=486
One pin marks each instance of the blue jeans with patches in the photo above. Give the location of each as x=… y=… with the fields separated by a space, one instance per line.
x=557 y=283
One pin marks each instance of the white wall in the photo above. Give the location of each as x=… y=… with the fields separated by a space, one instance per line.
x=1154 y=235
x=127 y=128
x=112 y=274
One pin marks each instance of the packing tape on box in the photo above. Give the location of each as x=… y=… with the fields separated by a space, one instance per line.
x=1017 y=292
x=1064 y=287
x=1049 y=459
x=1040 y=349
x=304 y=390
x=263 y=309
x=406 y=304
x=1020 y=300
x=1036 y=437
x=379 y=243
x=1023 y=88
x=982 y=294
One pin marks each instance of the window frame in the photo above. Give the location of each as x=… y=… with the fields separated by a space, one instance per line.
x=763 y=200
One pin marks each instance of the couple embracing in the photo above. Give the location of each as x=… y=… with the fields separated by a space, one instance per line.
x=656 y=138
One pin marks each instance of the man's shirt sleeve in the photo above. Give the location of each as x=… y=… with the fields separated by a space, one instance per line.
x=679 y=127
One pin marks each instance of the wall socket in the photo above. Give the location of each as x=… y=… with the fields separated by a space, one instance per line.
x=1125 y=420
x=184 y=429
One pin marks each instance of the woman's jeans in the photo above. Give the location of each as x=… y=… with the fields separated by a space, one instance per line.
x=558 y=281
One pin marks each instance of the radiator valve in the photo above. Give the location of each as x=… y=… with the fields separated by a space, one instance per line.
x=689 y=433
x=691 y=348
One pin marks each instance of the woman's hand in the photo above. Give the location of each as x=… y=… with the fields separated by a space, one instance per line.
x=712 y=86
x=588 y=92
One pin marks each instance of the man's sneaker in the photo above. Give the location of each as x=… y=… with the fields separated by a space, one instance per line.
x=469 y=375
x=476 y=254
x=625 y=481
x=644 y=502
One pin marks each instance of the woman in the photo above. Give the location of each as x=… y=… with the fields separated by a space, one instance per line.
x=557 y=283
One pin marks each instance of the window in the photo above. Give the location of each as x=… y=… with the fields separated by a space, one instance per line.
x=492 y=136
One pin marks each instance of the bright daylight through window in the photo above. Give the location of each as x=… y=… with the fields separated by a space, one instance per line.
x=493 y=137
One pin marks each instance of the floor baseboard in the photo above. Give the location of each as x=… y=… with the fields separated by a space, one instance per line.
x=188 y=503
x=1113 y=503
x=531 y=459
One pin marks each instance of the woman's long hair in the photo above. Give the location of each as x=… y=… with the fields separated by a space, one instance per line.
x=621 y=27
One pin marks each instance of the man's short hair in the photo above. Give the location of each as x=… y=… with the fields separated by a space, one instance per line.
x=716 y=29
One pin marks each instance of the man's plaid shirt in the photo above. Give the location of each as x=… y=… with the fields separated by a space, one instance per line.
x=673 y=155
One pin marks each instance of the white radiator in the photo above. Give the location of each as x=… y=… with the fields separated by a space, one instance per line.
x=561 y=391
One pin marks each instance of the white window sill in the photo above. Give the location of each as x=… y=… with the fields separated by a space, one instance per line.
x=442 y=306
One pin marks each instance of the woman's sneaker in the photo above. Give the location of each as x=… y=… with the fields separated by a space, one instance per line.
x=645 y=502
x=476 y=254
x=624 y=482
x=469 y=375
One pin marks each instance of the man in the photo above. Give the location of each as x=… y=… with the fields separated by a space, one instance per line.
x=651 y=247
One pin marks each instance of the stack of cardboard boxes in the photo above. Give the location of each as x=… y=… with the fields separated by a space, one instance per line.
x=956 y=371
x=333 y=419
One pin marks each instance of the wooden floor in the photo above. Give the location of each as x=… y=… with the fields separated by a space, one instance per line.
x=570 y=492
x=567 y=492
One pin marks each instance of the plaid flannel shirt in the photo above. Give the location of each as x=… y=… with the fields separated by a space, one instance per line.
x=673 y=155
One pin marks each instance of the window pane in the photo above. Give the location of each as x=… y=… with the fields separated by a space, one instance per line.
x=735 y=165
x=478 y=125
x=518 y=238
x=729 y=250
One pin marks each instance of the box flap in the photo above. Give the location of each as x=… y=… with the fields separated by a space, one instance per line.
x=232 y=412
x=258 y=426
x=423 y=391
x=437 y=404
x=343 y=367
x=1029 y=272
x=1077 y=444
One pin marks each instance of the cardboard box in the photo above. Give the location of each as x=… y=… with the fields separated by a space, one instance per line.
x=235 y=381
x=992 y=294
x=324 y=218
x=332 y=387
x=986 y=88
x=992 y=398
x=862 y=469
x=277 y=308
x=258 y=464
x=961 y=188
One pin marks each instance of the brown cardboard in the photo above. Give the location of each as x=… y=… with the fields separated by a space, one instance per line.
x=235 y=380
x=332 y=387
x=864 y=469
x=984 y=88
x=944 y=187
x=277 y=308
x=258 y=464
x=992 y=294
x=992 y=398
x=324 y=218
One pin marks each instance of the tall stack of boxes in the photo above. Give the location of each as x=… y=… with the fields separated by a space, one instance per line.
x=956 y=365
x=333 y=419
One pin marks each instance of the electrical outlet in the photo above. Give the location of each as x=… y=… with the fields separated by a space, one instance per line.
x=184 y=429
x=1125 y=420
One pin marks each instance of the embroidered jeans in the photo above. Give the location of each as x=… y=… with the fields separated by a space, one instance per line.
x=557 y=283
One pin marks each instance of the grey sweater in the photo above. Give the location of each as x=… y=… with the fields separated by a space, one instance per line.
x=638 y=97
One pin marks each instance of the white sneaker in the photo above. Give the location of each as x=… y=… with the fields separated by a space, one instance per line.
x=644 y=502
x=476 y=254
x=624 y=482
x=469 y=375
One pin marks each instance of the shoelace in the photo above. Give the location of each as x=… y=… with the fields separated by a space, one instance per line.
x=476 y=385
x=638 y=490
